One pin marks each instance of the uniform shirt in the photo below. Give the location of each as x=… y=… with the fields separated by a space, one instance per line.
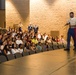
x=72 y=21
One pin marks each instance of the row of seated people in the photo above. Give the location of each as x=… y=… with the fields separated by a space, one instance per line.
x=9 y=52
x=14 y=48
x=15 y=41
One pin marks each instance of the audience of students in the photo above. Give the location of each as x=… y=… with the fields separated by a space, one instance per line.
x=17 y=41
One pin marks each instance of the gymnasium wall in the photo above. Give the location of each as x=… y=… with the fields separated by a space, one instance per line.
x=17 y=11
x=51 y=15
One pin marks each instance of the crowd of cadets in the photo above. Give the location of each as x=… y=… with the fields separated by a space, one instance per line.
x=17 y=41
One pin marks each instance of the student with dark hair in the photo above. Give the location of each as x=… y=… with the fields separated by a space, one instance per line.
x=38 y=46
x=14 y=49
x=20 y=49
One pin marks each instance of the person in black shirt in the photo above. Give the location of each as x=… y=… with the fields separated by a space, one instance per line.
x=1 y=39
x=30 y=27
x=36 y=29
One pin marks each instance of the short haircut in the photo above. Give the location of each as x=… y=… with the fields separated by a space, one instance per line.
x=71 y=12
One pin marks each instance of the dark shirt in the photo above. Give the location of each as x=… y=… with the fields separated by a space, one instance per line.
x=36 y=29
x=1 y=42
x=30 y=28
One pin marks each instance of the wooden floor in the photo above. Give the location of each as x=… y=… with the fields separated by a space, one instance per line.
x=56 y=62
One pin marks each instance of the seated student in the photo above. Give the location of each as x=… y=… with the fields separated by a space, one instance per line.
x=27 y=47
x=57 y=39
x=46 y=45
x=48 y=40
x=19 y=41
x=38 y=46
x=53 y=39
x=1 y=51
x=62 y=39
x=42 y=40
x=10 y=44
x=28 y=39
x=45 y=36
x=14 y=49
x=13 y=39
x=1 y=39
x=32 y=47
x=7 y=50
x=34 y=40
x=14 y=34
x=3 y=48
x=20 y=49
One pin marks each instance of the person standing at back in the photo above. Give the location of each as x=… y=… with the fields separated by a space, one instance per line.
x=71 y=31
x=36 y=29
x=30 y=28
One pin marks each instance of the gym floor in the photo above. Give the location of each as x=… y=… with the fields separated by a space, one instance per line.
x=55 y=62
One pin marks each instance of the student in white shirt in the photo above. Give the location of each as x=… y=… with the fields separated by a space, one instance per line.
x=19 y=41
x=13 y=34
x=20 y=49
x=14 y=49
